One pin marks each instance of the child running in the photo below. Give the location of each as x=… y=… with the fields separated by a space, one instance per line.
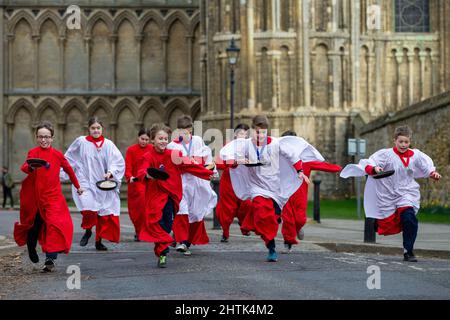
x=395 y=200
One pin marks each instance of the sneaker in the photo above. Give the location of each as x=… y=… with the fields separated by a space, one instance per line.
x=182 y=247
x=84 y=240
x=287 y=248
x=301 y=234
x=409 y=257
x=187 y=253
x=162 y=262
x=136 y=239
x=33 y=254
x=49 y=265
x=224 y=239
x=100 y=246
x=272 y=256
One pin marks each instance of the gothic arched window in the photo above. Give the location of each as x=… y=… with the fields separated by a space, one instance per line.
x=412 y=16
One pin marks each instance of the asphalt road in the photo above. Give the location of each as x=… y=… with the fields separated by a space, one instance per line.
x=235 y=270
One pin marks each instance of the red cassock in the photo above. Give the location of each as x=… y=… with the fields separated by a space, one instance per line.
x=229 y=205
x=41 y=192
x=294 y=212
x=157 y=192
x=136 y=190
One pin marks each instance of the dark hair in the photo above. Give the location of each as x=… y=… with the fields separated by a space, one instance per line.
x=93 y=120
x=143 y=131
x=157 y=127
x=184 y=122
x=45 y=125
x=241 y=126
x=403 y=131
x=261 y=121
x=289 y=133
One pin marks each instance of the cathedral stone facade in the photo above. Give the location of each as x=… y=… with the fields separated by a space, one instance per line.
x=318 y=67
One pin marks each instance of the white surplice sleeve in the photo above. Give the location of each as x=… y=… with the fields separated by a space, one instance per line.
x=423 y=166
x=73 y=156
x=116 y=163
x=379 y=159
x=295 y=149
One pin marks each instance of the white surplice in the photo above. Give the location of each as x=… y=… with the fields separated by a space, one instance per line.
x=383 y=196
x=199 y=199
x=90 y=165
x=277 y=178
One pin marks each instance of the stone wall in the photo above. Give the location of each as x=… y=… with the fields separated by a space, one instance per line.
x=429 y=121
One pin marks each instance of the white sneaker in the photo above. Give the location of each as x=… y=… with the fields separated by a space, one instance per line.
x=182 y=248
x=188 y=253
x=301 y=234
x=287 y=248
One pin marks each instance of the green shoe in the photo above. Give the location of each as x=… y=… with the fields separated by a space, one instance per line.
x=162 y=262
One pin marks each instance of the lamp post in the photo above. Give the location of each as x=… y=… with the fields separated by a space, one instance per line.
x=233 y=56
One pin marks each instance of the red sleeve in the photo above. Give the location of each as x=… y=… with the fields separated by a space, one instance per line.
x=223 y=165
x=144 y=163
x=196 y=170
x=299 y=165
x=369 y=170
x=25 y=167
x=323 y=166
x=69 y=170
x=128 y=164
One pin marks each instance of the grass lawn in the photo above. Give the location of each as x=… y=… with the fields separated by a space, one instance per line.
x=346 y=209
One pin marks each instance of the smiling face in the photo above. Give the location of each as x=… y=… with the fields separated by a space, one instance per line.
x=44 y=138
x=143 y=140
x=402 y=143
x=161 y=140
x=95 y=130
x=241 y=134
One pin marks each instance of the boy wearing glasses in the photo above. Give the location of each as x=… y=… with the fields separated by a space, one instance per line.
x=44 y=215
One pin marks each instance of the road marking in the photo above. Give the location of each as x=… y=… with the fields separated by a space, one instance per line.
x=416 y=268
x=382 y=263
x=399 y=263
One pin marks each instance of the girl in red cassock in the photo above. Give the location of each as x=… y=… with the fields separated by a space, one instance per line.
x=44 y=214
x=162 y=197
x=136 y=187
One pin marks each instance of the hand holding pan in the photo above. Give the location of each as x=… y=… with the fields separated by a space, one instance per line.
x=157 y=174
x=383 y=174
x=107 y=185
x=37 y=163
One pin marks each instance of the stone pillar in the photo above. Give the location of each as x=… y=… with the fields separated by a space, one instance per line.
x=334 y=93
x=399 y=60
x=250 y=41
x=87 y=42
x=62 y=45
x=9 y=79
x=113 y=43
x=306 y=54
x=36 y=40
x=379 y=49
x=422 y=58
x=411 y=77
x=139 y=39
x=370 y=58
x=164 y=39
x=275 y=79
x=354 y=55
x=435 y=74
x=190 y=46
x=334 y=24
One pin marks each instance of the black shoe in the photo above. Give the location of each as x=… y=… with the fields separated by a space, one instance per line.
x=136 y=239
x=84 y=240
x=100 y=246
x=33 y=254
x=49 y=265
x=224 y=239
x=410 y=257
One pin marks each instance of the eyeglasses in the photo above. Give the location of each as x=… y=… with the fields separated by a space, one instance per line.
x=44 y=137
